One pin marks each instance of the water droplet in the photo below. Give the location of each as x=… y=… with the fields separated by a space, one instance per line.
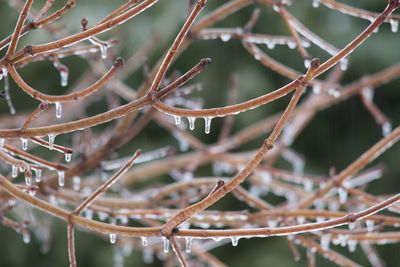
x=207 y=125
x=235 y=241
x=58 y=110
x=177 y=120
x=386 y=128
x=68 y=157
x=191 y=123
x=64 y=77
x=145 y=242
x=394 y=25
x=76 y=183
x=166 y=244
x=61 y=178
x=113 y=238
x=51 y=141
x=315 y=3
x=14 y=171
x=24 y=142
x=26 y=237
x=188 y=244
x=38 y=175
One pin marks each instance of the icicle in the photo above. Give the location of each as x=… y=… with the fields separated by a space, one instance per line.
x=291 y=45
x=270 y=44
x=235 y=241
x=26 y=237
x=38 y=175
x=177 y=120
x=325 y=240
x=28 y=180
x=166 y=244
x=58 y=110
x=370 y=225
x=14 y=171
x=145 y=242
x=225 y=37
x=307 y=63
x=352 y=244
x=113 y=238
x=344 y=64
x=148 y=256
x=207 y=124
x=315 y=3
x=386 y=128
x=308 y=185
x=64 y=77
x=61 y=178
x=188 y=244
x=394 y=25
x=2 y=142
x=342 y=195
x=51 y=141
x=24 y=142
x=68 y=157
x=103 y=50
x=191 y=123
x=76 y=183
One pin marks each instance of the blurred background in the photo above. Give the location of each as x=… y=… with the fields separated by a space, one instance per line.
x=335 y=137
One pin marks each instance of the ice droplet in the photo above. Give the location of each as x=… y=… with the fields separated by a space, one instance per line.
x=2 y=142
x=235 y=241
x=68 y=157
x=76 y=183
x=103 y=50
x=61 y=178
x=342 y=195
x=386 y=128
x=188 y=244
x=28 y=180
x=14 y=171
x=370 y=225
x=394 y=25
x=51 y=141
x=344 y=64
x=26 y=237
x=225 y=37
x=166 y=244
x=113 y=238
x=64 y=77
x=191 y=123
x=58 y=110
x=276 y=8
x=207 y=125
x=24 y=143
x=307 y=63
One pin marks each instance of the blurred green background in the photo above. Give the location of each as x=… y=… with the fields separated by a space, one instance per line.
x=334 y=138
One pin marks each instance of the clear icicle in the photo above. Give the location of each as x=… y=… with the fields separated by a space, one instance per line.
x=177 y=120
x=58 y=110
x=38 y=175
x=235 y=241
x=76 y=183
x=51 y=140
x=64 y=77
x=24 y=143
x=145 y=242
x=207 y=125
x=26 y=237
x=394 y=25
x=14 y=171
x=68 y=157
x=166 y=244
x=28 y=180
x=386 y=128
x=191 y=123
x=61 y=178
x=188 y=244
x=113 y=238
x=344 y=64
x=2 y=142
x=103 y=50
